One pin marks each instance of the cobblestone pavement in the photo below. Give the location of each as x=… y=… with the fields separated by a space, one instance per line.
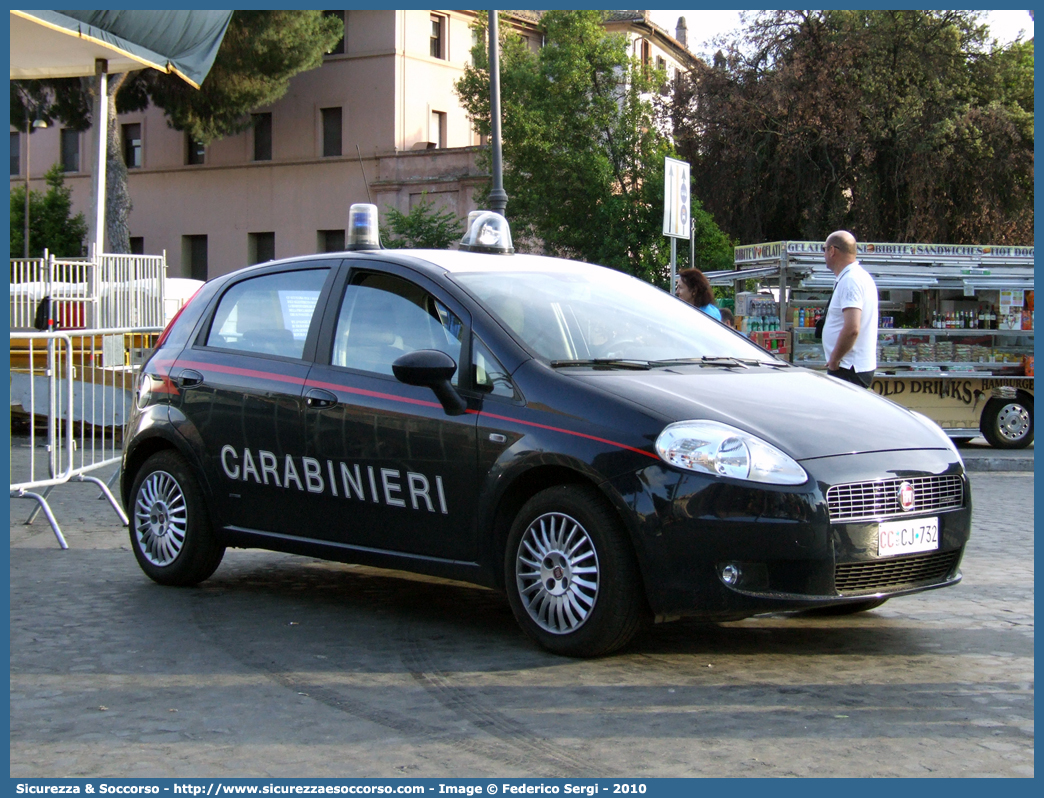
x=282 y=666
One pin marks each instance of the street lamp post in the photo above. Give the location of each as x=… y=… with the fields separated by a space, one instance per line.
x=497 y=196
x=36 y=124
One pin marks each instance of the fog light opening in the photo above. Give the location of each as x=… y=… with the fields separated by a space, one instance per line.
x=730 y=574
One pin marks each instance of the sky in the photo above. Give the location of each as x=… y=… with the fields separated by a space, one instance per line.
x=704 y=25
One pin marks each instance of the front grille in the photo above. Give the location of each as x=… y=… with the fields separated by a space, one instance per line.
x=890 y=574
x=859 y=501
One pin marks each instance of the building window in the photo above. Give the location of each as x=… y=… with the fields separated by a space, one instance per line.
x=438 y=36
x=331 y=131
x=197 y=153
x=132 y=146
x=646 y=55
x=331 y=240
x=137 y=245
x=16 y=147
x=194 y=257
x=437 y=133
x=262 y=137
x=70 y=150
x=262 y=247
x=338 y=48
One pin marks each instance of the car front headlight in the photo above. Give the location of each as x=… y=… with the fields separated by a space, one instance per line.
x=710 y=447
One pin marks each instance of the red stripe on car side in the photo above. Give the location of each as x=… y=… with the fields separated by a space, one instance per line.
x=567 y=432
x=405 y=400
x=363 y=392
x=263 y=375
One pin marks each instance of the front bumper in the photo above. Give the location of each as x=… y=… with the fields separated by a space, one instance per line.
x=786 y=550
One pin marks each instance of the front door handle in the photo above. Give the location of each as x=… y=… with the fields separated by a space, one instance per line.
x=190 y=378
x=317 y=397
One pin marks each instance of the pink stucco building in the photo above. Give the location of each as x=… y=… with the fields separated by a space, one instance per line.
x=378 y=122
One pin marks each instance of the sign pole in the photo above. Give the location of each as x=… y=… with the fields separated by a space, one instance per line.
x=674 y=264
x=676 y=221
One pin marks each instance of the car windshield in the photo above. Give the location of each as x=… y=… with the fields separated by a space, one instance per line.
x=591 y=313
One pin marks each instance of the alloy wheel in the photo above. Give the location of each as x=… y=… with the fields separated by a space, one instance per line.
x=556 y=570
x=160 y=518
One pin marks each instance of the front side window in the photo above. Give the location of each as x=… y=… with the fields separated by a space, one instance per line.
x=490 y=377
x=268 y=315
x=383 y=317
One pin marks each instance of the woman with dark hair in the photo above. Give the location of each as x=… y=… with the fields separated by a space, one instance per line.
x=694 y=288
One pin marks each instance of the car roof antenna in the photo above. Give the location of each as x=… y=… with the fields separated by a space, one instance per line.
x=365 y=181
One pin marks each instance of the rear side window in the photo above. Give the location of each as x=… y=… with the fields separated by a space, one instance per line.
x=268 y=315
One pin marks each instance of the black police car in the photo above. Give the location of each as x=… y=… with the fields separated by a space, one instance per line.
x=601 y=451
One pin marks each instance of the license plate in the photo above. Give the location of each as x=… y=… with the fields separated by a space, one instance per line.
x=907 y=537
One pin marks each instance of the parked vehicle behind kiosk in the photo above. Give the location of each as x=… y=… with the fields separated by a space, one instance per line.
x=956 y=336
x=597 y=449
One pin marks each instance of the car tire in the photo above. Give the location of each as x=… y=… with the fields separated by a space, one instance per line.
x=1008 y=423
x=571 y=574
x=850 y=608
x=170 y=529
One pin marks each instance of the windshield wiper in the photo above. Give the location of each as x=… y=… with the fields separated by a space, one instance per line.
x=605 y=362
x=729 y=362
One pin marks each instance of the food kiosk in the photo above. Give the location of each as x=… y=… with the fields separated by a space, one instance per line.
x=955 y=338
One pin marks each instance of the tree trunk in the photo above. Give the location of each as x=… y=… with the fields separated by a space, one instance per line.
x=117 y=194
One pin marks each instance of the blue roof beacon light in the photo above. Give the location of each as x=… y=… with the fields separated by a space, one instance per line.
x=487 y=232
x=362 y=227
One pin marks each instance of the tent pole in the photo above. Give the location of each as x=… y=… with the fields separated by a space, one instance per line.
x=101 y=127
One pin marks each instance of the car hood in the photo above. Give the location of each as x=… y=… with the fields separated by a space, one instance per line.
x=805 y=413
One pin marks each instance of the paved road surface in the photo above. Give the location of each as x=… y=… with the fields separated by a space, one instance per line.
x=282 y=666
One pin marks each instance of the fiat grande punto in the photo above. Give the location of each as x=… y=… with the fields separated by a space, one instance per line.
x=598 y=450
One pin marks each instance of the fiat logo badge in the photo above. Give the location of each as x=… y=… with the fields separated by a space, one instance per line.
x=906 y=496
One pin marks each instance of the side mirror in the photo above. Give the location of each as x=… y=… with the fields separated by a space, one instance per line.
x=434 y=369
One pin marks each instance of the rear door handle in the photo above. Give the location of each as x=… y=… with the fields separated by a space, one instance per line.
x=317 y=397
x=190 y=379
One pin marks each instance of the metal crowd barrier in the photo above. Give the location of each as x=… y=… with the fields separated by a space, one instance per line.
x=79 y=387
x=110 y=291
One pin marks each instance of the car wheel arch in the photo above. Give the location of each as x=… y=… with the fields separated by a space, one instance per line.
x=528 y=484
x=146 y=447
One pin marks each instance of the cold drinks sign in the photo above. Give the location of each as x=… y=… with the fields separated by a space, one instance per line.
x=676 y=198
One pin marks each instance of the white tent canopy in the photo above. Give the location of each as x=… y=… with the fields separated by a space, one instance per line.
x=53 y=44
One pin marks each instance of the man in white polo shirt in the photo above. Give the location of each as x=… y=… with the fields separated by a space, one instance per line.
x=850 y=329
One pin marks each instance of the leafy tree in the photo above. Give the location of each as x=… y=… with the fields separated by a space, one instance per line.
x=583 y=148
x=51 y=223
x=898 y=125
x=261 y=52
x=424 y=227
